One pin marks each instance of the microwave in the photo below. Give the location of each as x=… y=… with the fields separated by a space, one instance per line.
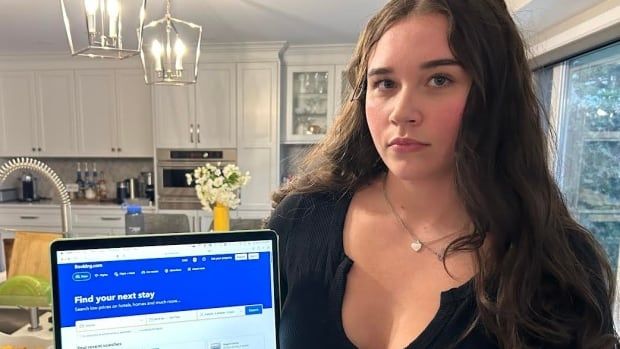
x=173 y=192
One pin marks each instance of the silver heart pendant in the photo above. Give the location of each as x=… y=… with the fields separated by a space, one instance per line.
x=416 y=245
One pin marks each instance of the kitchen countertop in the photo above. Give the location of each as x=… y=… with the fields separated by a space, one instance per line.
x=48 y=203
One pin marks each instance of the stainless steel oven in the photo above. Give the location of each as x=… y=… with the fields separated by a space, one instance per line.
x=172 y=165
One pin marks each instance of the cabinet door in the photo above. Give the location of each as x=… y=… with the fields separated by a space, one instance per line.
x=174 y=116
x=58 y=122
x=342 y=89
x=309 y=102
x=257 y=113
x=135 y=125
x=97 y=112
x=18 y=119
x=215 y=106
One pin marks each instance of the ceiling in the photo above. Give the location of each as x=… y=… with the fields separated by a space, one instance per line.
x=36 y=26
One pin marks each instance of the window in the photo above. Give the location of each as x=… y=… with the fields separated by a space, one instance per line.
x=584 y=96
x=588 y=164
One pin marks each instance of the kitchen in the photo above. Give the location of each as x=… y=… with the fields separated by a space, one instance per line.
x=256 y=63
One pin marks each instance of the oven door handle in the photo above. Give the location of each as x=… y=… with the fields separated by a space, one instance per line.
x=176 y=165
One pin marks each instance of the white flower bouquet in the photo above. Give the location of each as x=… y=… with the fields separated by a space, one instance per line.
x=217 y=185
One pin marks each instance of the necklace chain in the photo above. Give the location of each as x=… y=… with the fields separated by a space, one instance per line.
x=417 y=245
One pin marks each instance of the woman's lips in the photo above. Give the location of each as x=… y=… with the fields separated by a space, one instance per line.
x=406 y=145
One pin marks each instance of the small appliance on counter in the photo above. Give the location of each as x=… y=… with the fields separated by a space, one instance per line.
x=27 y=189
x=121 y=192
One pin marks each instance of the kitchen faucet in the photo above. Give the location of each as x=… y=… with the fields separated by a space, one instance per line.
x=38 y=166
x=65 y=205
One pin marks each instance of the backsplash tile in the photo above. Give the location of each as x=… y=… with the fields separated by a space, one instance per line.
x=114 y=170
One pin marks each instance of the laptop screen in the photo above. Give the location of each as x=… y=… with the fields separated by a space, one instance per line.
x=198 y=295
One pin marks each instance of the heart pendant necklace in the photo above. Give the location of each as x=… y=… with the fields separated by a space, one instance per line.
x=417 y=244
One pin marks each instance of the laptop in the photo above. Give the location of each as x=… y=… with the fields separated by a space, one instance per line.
x=190 y=291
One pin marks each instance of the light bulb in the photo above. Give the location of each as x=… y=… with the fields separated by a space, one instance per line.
x=91 y=9
x=156 y=51
x=113 y=10
x=179 y=50
x=91 y=6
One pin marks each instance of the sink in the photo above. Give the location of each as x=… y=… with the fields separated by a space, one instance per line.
x=12 y=319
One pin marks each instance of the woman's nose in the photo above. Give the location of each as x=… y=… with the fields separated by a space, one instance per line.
x=405 y=109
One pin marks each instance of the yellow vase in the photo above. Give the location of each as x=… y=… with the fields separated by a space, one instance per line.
x=221 y=217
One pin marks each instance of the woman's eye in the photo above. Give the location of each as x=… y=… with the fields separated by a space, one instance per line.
x=384 y=84
x=439 y=81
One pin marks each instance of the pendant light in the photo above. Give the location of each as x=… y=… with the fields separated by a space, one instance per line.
x=104 y=28
x=171 y=51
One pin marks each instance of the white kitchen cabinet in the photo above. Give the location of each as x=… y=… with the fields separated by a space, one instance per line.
x=174 y=116
x=18 y=119
x=38 y=113
x=30 y=218
x=134 y=131
x=315 y=90
x=114 y=114
x=310 y=102
x=198 y=116
x=216 y=123
x=341 y=88
x=96 y=100
x=257 y=120
x=57 y=125
x=100 y=222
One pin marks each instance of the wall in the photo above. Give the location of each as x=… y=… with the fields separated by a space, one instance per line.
x=593 y=27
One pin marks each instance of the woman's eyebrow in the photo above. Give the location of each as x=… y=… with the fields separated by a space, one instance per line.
x=439 y=62
x=379 y=71
x=426 y=65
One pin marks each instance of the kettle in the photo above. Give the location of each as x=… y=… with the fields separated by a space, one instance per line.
x=27 y=191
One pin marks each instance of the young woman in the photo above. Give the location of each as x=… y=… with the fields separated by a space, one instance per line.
x=427 y=218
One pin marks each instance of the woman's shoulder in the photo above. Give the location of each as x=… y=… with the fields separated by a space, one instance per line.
x=310 y=219
x=300 y=206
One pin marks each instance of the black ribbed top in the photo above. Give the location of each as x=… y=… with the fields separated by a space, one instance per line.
x=314 y=272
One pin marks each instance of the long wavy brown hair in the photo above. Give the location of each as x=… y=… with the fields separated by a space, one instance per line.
x=546 y=281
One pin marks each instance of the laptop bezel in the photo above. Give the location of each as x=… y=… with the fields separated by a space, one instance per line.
x=160 y=240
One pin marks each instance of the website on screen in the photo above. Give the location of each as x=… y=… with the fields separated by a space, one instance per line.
x=198 y=296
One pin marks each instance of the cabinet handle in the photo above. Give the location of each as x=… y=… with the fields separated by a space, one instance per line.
x=110 y=218
x=34 y=149
x=119 y=149
x=29 y=217
x=191 y=133
x=198 y=132
x=113 y=149
x=39 y=149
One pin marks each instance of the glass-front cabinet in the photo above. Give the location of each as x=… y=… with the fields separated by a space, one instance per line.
x=310 y=103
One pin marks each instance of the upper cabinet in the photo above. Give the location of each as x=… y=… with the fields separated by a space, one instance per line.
x=175 y=117
x=134 y=126
x=114 y=114
x=96 y=112
x=310 y=102
x=37 y=111
x=18 y=116
x=201 y=115
x=84 y=112
x=56 y=110
x=215 y=106
x=316 y=88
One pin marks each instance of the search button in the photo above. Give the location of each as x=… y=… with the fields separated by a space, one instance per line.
x=253 y=309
